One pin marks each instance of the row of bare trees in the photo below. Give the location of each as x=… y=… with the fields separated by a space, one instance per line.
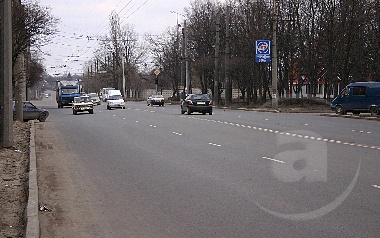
x=107 y=68
x=321 y=44
x=32 y=26
x=24 y=26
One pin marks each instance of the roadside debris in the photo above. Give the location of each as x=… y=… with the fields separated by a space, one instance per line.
x=44 y=209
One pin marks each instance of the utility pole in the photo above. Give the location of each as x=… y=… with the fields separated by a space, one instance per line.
x=6 y=111
x=186 y=60
x=18 y=70
x=216 y=68
x=227 y=80
x=183 y=77
x=274 y=59
x=123 y=68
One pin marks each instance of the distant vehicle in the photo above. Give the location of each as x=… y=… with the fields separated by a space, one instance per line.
x=82 y=104
x=66 y=91
x=105 y=93
x=115 y=100
x=358 y=97
x=46 y=95
x=31 y=112
x=94 y=98
x=155 y=100
x=197 y=103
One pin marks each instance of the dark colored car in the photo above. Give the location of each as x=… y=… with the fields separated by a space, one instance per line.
x=197 y=103
x=31 y=112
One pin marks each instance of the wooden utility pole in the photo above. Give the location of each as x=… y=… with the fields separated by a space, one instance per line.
x=216 y=69
x=6 y=111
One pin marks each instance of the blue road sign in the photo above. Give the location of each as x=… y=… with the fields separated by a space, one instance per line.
x=263 y=51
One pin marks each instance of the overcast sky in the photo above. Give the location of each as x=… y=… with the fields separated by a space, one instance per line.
x=81 y=19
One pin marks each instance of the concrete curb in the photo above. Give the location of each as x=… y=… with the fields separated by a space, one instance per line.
x=33 y=225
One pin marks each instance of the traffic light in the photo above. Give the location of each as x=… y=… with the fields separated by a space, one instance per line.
x=156 y=81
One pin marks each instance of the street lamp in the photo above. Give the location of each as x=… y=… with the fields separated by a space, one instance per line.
x=274 y=59
x=187 y=78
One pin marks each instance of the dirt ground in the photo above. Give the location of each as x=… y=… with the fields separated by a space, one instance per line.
x=14 y=178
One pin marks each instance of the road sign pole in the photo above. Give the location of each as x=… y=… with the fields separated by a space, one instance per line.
x=274 y=59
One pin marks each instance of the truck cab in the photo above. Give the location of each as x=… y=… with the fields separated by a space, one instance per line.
x=66 y=92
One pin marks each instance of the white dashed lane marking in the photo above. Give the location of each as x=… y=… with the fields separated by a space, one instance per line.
x=367 y=132
x=376 y=186
x=290 y=134
x=176 y=133
x=214 y=144
x=275 y=160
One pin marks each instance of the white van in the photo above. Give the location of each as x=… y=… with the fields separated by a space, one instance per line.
x=105 y=93
x=115 y=99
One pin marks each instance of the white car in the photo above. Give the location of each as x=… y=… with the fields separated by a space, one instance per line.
x=155 y=100
x=115 y=101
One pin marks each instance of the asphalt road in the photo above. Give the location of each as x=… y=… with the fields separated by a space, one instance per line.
x=156 y=173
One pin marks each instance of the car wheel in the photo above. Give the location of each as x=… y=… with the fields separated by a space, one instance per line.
x=91 y=111
x=108 y=107
x=42 y=117
x=210 y=113
x=75 y=112
x=339 y=110
x=188 y=111
x=374 y=111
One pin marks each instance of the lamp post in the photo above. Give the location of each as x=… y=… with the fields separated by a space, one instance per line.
x=274 y=59
x=184 y=31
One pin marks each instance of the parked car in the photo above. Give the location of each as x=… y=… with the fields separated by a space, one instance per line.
x=94 y=98
x=155 y=100
x=115 y=100
x=82 y=104
x=31 y=112
x=197 y=103
x=358 y=97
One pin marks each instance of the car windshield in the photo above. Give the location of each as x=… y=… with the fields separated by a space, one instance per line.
x=29 y=105
x=93 y=95
x=69 y=90
x=115 y=97
x=157 y=96
x=201 y=97
x=84 y=99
